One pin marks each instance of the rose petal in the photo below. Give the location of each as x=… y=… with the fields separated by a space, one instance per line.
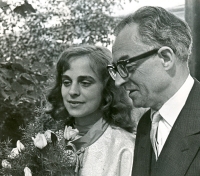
x=40 y=141
x=5 y=164
x=14 y=153
x=70 y=133
x=47 y=134
x=27 y=172
x=20 y=146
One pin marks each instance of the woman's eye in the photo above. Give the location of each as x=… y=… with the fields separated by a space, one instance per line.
x=86 y=83
x=66 y=83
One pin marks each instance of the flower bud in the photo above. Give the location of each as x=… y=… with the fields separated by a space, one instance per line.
x=40 y=141
x=70 y=133
x=20 y=146
x=14 y=153
x=5 y=164
x=27 y=172
x=47 y=135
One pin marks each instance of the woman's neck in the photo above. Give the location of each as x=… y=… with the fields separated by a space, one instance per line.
x=88 y=120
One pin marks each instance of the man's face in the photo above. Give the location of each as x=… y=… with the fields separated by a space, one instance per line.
x=146 y=80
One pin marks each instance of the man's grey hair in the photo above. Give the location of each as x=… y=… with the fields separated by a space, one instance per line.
x=158 y=27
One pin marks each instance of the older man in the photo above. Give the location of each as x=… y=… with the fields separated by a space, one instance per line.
x=151 y=53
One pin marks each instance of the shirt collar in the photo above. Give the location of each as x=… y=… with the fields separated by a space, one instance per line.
x=171 y=109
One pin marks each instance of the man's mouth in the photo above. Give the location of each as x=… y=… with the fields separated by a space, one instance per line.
x=132 y=91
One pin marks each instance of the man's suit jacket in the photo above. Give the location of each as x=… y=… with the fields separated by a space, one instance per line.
x=180 y=155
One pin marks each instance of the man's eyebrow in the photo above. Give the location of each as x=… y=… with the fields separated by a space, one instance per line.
x=125 y=57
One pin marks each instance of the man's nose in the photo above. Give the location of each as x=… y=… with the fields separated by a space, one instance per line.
x=119 y=80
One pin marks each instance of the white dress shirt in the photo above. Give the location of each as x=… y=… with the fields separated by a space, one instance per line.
x=170 y=111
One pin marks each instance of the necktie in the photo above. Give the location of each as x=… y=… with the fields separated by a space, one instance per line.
x=153 y=134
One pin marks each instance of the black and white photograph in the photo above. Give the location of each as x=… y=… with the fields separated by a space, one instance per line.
x=99 y=88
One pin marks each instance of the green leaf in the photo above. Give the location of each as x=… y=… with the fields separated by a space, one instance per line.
x=17 y=87
x=7 y=73
x=4 y=94
x=18 y=67
x=26 y=79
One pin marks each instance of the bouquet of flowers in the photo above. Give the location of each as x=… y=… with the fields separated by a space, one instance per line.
x=44 y=150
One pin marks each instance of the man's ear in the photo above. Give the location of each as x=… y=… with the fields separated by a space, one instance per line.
x=168 y=57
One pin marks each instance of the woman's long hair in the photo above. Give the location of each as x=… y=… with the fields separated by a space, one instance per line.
x=116 y=105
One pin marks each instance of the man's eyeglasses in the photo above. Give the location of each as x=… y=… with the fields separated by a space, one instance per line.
x=121 y=64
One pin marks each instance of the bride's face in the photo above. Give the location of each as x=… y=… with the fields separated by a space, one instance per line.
x=81 y=88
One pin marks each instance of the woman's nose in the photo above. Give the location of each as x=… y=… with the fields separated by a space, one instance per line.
x=74 y=89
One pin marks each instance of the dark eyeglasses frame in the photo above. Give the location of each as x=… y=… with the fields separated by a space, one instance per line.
x=122 y=63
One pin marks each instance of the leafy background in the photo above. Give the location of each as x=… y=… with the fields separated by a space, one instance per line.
x=32 y=35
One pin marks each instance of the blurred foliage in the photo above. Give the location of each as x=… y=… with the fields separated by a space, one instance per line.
x=30 y=44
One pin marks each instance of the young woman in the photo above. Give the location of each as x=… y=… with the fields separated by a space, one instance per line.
x=86 y=96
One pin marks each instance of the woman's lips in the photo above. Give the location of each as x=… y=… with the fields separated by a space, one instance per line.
x=75 y=103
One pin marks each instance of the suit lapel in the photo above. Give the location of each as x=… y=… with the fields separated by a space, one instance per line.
x=145 y=153
x=183 y=142
x=142 y=158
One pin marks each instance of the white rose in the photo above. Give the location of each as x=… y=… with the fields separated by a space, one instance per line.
x=14 y=153
x=20 y=146
x=70 y=133
x=40 y=141
x=47 y=135
x=5 y=164
x=27 y=172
